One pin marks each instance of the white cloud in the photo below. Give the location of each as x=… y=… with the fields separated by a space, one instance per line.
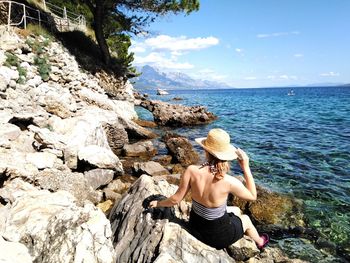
x=282 y=77
x=278 y=34
x=159 y=60
x=182 y=43
x=298 y=55
x=250 y=78
x=137 y=49
x=239 y=50
x=330 y=74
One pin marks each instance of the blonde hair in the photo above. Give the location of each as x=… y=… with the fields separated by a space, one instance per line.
x=218 y=167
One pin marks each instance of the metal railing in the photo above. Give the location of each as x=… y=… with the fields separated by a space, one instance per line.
x=64 y=19
x=25 y=17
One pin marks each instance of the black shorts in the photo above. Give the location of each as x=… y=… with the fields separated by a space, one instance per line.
x=218 y=233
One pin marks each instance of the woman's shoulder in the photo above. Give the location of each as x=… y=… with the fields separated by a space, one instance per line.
x=193 y=168
x=232 y=179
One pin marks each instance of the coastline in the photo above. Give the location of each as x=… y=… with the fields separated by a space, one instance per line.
x=60 y=148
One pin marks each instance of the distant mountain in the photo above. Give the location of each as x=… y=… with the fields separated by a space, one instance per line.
x=324 y=84
x=152 y=78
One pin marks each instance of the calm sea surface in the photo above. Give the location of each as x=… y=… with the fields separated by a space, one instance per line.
x=297 y=144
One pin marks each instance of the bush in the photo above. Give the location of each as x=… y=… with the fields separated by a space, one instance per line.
x=44 y=68
x=13 y=61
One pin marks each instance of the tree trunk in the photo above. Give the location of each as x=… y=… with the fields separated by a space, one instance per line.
x=98 y=27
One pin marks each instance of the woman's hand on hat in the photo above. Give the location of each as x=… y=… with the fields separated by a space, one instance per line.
x=243 y=159
x=153 y=204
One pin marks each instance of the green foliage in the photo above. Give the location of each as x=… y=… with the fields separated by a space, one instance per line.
x=113 y=19
x=22 y=74
x=44 y=68
x=41 y=59
x=119 y=45
x=13 y=61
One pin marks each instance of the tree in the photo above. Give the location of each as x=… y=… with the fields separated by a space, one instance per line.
x=113 y=18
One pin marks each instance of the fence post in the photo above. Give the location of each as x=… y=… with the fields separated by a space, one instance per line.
x=64 y=12
x=24 y=17
x=9 y=17
x=39 y=17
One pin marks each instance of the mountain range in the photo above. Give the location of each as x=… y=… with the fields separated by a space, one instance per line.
x=153 y=78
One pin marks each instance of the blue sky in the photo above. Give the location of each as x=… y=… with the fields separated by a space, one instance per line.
x=256 y=43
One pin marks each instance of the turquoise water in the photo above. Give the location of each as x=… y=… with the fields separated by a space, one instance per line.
x=297 y=144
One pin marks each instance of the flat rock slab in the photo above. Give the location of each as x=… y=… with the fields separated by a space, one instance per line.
x=150 y=168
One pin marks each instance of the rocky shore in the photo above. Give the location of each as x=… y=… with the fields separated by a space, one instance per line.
x=76 y=168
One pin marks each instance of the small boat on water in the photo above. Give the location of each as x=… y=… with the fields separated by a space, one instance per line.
x=162 y=92
x=291 y=93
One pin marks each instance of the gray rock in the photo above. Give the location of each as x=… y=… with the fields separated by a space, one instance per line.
x=74 y=183
x=140 y=149
x=177 y=115
x=243 y=249
x=150 y=168
x=182 y=151
x=55 y=229
x=142 y=239
x=117 y=136
x=99 y=177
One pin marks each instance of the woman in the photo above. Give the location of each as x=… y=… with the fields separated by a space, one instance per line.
x=210 y=220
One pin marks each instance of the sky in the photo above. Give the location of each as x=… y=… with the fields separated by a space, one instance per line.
x=253 y=43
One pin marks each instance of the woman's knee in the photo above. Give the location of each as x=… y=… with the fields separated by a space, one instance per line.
x=246 y=222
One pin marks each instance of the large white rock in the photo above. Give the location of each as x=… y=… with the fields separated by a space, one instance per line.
x=14 y=252
x=100 y=157
x=55 y=229
x=9 y=131
x=42 y=160
x=9 y=74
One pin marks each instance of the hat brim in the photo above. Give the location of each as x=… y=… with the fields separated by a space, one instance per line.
x=229 y=154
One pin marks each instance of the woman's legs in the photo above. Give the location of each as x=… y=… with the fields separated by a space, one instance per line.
x=234 y=209
x=250 y=230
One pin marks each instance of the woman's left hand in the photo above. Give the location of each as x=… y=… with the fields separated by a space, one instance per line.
x=153 y=204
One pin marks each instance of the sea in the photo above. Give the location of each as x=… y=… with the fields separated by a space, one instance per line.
x=298 y=144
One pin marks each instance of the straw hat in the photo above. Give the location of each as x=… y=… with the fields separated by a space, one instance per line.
x=218 y=144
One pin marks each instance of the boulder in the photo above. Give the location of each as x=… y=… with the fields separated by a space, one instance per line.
x=163 y=159
x=150 y=168
x=140 y=149
x=177 y=115
x=117 y=136
x=54 y=228
x=9 y=131
x=182 y=151
x=99 y=177
x=14 y=164
x=41 y=159
x=76 y=184
x=272 y=208
x=100 y=157
x=14 y=252
x=135 y=131
x=156 y=235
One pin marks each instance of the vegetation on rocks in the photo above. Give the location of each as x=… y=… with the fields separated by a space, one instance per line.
x=12 y=61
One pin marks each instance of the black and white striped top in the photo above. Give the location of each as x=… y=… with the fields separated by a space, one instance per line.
x=209 y=213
